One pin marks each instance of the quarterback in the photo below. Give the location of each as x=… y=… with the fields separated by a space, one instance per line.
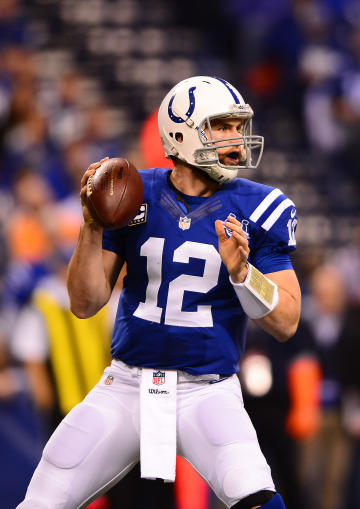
x=207 y=251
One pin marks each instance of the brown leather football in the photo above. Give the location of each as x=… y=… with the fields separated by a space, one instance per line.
x=114 y=193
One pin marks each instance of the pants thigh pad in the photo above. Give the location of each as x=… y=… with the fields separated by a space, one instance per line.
x=75 y=437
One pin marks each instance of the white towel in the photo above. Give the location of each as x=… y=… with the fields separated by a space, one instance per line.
x=158 y=424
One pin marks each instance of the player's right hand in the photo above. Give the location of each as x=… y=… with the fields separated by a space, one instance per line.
x=88 y=219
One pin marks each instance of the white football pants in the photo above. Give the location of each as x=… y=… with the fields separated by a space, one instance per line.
x=98 y=442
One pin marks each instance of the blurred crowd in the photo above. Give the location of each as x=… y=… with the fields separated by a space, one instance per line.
x=80 y=80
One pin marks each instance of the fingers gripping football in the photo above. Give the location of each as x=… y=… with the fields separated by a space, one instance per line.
x=88 y=218
x=234 y=250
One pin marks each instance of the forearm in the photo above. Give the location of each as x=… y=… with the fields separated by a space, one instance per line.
x=87 y=284
x=282 y=322
x=273 y=300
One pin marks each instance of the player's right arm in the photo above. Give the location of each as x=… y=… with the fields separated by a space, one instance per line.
x=92 y=271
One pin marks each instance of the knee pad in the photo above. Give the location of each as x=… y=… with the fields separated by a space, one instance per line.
x=265 y=498
x=275 y=503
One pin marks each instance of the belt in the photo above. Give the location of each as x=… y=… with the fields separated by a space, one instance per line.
x=183 y=376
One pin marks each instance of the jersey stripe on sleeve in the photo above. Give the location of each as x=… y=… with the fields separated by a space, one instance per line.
x=274 y=216
x=265 y=204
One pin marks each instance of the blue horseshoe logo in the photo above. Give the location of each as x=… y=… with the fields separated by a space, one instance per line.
x=189 y=112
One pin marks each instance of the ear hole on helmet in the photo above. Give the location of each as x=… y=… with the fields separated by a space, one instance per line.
x=171 y=135
x=179 y=137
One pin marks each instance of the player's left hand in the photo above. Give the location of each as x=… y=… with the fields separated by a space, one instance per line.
x=233 y=250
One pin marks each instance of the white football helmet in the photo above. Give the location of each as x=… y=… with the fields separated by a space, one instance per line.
x=189 y=108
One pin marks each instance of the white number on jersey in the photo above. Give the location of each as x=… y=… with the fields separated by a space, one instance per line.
x=291 y=224
x=149 y=310
x=153 y=250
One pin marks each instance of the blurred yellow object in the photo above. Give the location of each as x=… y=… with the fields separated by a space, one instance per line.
x=78 y=349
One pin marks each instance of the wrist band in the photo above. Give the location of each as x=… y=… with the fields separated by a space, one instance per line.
x=258 y=295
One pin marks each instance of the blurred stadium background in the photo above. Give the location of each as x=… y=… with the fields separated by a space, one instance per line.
x=82 y=79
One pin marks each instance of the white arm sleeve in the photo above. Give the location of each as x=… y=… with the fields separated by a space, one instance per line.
x=258 y=295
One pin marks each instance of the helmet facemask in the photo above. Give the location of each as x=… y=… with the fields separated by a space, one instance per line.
x=209 y=154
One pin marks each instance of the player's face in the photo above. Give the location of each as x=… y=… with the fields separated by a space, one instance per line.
x=228 y=128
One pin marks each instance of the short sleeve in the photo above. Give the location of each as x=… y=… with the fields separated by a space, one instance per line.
x=276 y=239
x=113 y=240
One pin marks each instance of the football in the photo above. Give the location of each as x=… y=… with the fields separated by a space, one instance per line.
x=114 y=193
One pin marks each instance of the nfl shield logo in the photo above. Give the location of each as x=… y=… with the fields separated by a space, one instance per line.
x=184 y=223
x=158 y=377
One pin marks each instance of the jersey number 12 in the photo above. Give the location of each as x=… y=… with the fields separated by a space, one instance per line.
x=153 y=249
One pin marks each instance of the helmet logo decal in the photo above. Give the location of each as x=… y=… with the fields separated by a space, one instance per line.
x=227 y=85
x=203 y=135
x=190 y=110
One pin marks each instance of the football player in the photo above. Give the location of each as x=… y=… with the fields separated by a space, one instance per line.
x=207 y=251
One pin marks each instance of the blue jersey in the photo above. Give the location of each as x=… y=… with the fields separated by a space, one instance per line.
x=178 y=309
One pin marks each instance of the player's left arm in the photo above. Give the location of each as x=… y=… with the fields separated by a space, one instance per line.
x=281 y=321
